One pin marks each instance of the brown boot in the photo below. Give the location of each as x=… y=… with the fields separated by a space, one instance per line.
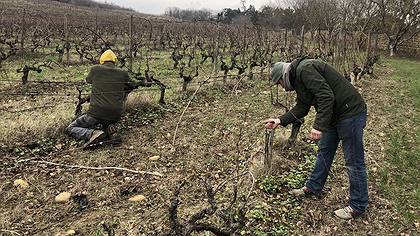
x=114 y=137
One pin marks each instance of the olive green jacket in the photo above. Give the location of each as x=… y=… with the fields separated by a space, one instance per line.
x=110 y=85
x=320 y=85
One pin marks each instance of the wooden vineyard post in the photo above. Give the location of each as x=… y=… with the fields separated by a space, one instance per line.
x=216 y=47
x=2 y=22
x=268 y=150
x=130 y=43
x=368 y=47
x=244 y=43
x=302 y=35
x=66 y=33
x=285 y=38
x=339 y=51
x=96 y=24
x=22 y=39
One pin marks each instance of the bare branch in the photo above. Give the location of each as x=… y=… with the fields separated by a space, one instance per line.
x=90 y=168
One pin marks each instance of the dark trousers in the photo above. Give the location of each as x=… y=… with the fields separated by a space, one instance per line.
x=81 y=128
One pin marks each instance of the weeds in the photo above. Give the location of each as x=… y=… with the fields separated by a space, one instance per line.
x=400 y=179
x=278 y=214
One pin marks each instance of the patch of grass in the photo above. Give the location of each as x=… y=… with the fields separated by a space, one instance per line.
x=280 y=210
x=400 y=179
x=22 y=124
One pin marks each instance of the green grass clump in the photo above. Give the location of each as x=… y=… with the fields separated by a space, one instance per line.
x=400 y=179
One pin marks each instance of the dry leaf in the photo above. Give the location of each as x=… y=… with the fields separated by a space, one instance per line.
x=283 y=220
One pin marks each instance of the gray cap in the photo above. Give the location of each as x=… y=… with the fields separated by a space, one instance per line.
x=276 y=71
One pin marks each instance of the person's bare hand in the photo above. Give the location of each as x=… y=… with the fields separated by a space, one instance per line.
x=316 y=135
x=271 y=123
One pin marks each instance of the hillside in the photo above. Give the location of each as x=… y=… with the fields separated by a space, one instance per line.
x=195 y=161
x=72 y=5
x=93 y=4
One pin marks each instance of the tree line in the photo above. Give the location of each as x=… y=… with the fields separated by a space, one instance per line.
x=398 y=20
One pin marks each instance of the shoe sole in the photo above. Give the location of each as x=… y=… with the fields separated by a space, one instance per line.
x=358 y=215
x=96 y=137
x=301 y=193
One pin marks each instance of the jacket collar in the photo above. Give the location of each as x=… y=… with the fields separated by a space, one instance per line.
x=295 y=64
x=109 y=64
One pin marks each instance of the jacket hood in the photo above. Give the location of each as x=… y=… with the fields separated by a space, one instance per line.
x=108 y=55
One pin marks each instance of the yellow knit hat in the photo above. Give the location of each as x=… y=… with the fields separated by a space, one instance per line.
x=108 y=55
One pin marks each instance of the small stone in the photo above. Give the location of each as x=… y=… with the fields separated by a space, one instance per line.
x=137 y=198
x=62 y=197
x=21 y=183
x=71 y=232
x=154 y=158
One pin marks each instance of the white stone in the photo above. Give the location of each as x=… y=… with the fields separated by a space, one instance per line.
x=63 y=197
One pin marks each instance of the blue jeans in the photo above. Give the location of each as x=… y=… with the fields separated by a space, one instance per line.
x=350 y=132
x=81 y=127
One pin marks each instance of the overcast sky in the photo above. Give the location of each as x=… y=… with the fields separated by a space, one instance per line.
x=158 y=7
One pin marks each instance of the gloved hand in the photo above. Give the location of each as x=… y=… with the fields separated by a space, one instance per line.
x=143 y=82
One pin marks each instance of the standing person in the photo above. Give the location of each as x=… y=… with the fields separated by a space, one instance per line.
x=340 y=116
x=110 y=86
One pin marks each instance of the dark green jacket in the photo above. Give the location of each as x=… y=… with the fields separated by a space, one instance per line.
x=320 y=85
x=110 y=85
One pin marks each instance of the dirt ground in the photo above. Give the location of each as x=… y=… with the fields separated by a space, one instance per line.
x=217 y=140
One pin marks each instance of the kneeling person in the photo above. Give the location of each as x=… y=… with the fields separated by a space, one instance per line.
x=110 y=86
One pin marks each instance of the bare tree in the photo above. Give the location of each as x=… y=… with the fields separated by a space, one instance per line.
x=188 y=14
x=319 y=15
x=358 y=20
x=400 y=20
